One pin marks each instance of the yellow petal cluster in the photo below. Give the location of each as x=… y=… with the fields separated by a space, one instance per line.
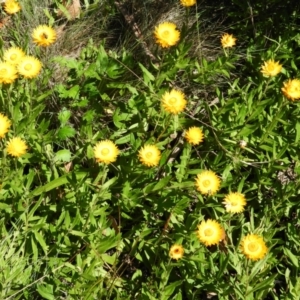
x=291 y=89
x=4 y=125
x=11 y=7
x=207 y=182
x=253 y=247
x=13 y=55
x=44 y=35
x=166 y=34
x=194 y=135
x=149 y=155
x=210 y=232
x=271 y=68
x=174 y=102
x=106 y=152
x=187 y=2
x=227 y=40
x=16 y=147
x=29 y=67
x=176 y=251
x=234 y=202
x=8 y=73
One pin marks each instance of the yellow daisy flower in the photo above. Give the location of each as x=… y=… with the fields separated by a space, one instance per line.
x=176 y=251
x=208 y=183
x=149 y=155
x=227 y=40
x=44 y=35
x=106 y=152
x=173 y=102
x=235 y=202
x=194 y=135
x=188 y=2
x=13 y=55
x=11 y=6
x=4 y=125
x=271 y=68
x=210 y=232
x=291 y=89
x=16 y=147
x=166 y=34
x=8 y=73
x=29 y=67
x=253 y=247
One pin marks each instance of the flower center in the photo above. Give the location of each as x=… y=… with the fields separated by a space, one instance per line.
x=208 y=232
x=176 y=250
x=149 y=154
x=28 y=67
x=43 y=36
x=104 y=151
x=233 y=203
x=252 y=247
x=173 y=101
x=206 y=183
x=166 y=34
x=13 y=56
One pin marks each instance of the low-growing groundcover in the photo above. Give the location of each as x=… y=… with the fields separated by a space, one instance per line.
x=166 y=168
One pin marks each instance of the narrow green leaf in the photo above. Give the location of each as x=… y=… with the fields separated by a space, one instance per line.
x=148 y=77
x=291 y=256
x=46 y=291
x=56 y=183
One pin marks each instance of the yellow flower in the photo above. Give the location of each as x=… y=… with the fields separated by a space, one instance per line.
x=210 y=232
x=16 y=147
x=228 y=40
x=207 y=182
x=11 y=6
x=176 y=251
x=166 y=34
x=13 y=55
x=234 y=202
x=149 y=155
x=188 y=2
x=271 y=68
x=173 y=102
x=194 y=135
x=106 y=152
x=29 y=67
x=8 y=73
x=254 y=247
x=291 y=89
x=4 y=125
x=44 y=35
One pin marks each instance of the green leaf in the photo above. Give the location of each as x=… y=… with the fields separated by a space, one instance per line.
x=108 y=243
x=46 y=291
x=63 y=155
x=148 y=77
x=265 y=284
x=64 y=115
x=169 y=290
x=41 y=241
x=291 y=256
x=57 y=182
x=66 y=132
x=297 y=138
x=150 y=188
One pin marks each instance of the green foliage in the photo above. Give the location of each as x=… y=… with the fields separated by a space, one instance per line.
x=73 y=228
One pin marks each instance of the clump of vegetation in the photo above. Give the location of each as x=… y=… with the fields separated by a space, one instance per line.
x=151 y=159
